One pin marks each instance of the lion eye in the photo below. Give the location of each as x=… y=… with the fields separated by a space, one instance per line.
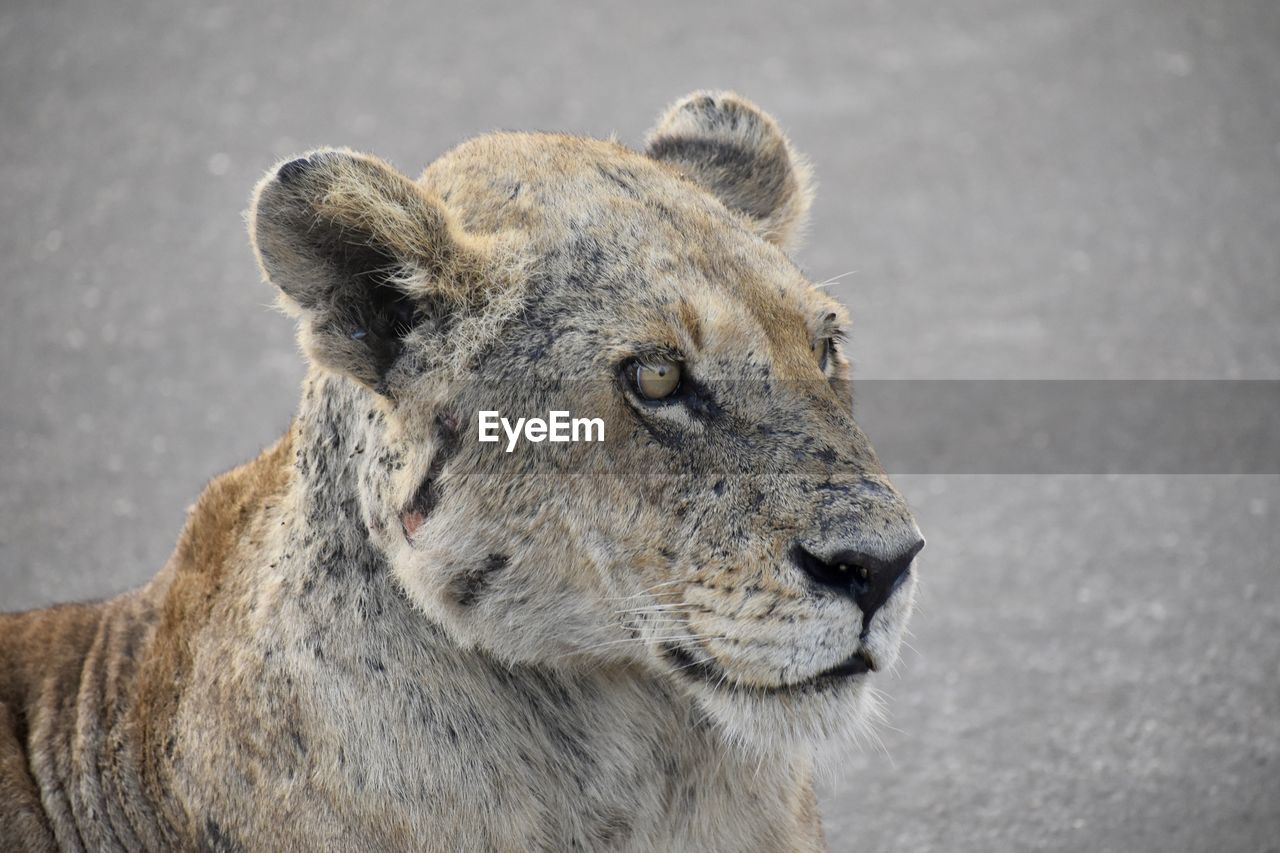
x=822 y=350
x=657 y=381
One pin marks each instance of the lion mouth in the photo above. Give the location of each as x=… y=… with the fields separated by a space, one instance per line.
x=711 y=673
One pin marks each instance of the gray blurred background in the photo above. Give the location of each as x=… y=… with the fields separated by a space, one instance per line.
x=1014 y=188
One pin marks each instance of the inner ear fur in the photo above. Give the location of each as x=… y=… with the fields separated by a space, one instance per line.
x=365 y=256
x=736 y=151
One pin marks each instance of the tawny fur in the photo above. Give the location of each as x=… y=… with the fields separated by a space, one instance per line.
x=383 y=634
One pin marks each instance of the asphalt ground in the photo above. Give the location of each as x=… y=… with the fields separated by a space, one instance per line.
x=1010 y=189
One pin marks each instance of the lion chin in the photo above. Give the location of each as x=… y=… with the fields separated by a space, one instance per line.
x=825 y=721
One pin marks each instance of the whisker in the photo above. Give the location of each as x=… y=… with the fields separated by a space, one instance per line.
x=643 y=593
x=641 y=641
x=655 y=608
x=830 y=281
x=662 y=603
x=634 y=641
x=679 y=636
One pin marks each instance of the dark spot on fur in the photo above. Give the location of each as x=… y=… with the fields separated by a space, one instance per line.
x=428 y=495
x=700 y=402
x=614 y=829
x=704 y=104
x=447 y=433
x=718 y=488
x=293 y=170
x=216 y=839
x=468 y=586
x=662 y=211
x=618 y=176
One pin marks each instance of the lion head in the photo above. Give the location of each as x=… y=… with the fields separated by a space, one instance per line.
x=733 y=533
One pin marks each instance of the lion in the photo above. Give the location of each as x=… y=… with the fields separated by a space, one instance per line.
x=385 y=634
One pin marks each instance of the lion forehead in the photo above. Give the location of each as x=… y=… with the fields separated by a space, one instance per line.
x=627 y=228
x=550 y=185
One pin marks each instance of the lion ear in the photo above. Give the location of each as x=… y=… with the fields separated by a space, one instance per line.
x=365 y=256
x=737 y=152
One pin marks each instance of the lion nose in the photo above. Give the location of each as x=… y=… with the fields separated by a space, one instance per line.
x=868 y=578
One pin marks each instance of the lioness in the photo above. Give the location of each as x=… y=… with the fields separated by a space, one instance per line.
x=386 y=634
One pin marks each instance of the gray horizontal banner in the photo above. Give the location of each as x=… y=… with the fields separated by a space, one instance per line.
x=1072 y=426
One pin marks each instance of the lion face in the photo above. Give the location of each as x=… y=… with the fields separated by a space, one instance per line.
x=733 y=532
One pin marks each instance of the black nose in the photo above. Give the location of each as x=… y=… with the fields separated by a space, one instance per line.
x=868 y=579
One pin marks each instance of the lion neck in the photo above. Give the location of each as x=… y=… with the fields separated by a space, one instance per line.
x=328 y=572
x=334 y=432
